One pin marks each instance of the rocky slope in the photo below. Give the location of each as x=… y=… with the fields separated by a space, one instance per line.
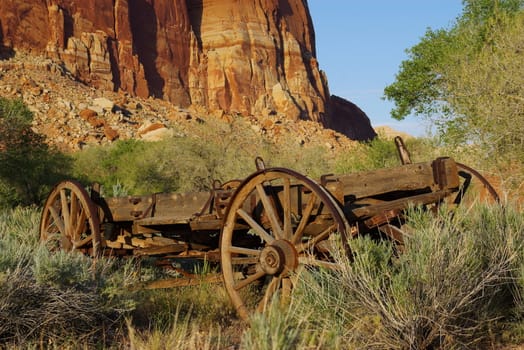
x=73 y=115
x=257 y=59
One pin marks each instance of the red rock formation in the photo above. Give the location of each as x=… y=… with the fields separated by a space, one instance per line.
x=348 y=119
x=254 y=58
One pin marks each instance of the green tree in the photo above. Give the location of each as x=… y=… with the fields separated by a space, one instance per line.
x=468 y=80
x=28 y=166
x=421 y=86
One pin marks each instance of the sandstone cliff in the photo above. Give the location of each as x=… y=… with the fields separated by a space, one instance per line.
x=255 y=58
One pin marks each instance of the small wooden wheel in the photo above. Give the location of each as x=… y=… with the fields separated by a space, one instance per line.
x=277 y=221
x=70 y=220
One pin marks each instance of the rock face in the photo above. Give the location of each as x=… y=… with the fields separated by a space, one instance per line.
x=254 y=58
x=348 y=119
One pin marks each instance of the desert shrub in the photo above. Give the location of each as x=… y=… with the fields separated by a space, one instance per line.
x=381 y=152
x=18 y=237
x=54 y=299
x=190 y=163
x=29 y=167
x=177 y=164
x=368 y=155
x=31 y=312
x=456 y=283
x=67 y=300
x=183 y=334
x=275 y=329
x=61 y=269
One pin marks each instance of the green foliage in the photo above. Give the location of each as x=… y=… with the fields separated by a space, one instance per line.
x=382 y=153
x=273 y=330
x=18 y=237
x=29 y=167
x=458 y=281
x=378 y=153
x=468 y=81
x=190 y=163
x=488 y=92
x=418 y=85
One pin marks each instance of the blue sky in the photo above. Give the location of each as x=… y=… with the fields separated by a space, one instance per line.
x=361 y=43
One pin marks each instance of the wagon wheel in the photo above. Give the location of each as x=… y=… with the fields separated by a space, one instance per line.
x=70 y=220
x=277 y=221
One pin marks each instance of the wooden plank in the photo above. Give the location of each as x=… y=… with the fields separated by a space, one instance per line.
x=179 y=282
x=146 y=242
x=179 y=205
x=402 y=203
x=206 y=224
x=371 y=183
x=158 y=250
x=409 y=177
x=162 y=220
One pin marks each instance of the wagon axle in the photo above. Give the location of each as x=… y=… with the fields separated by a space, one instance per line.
x=278 y=258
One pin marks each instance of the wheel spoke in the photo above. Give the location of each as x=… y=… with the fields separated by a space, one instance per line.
x=245 y=251
x=287 y=209
x=272 y=287
x=313 y=241
x=250 y=279
x=309 y=260
x=81 y=243
x=244 y=261
x=80 y=225
x=65 y=212
x=57 y=219
x=255 y=226
x=287 y=287
x=73 y=216
x=305 y=218
x=270 y=211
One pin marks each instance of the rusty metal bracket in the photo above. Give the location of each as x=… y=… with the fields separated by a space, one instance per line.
x=135 y=200
x=150 y=210
x=439 y=172
x=259 y=163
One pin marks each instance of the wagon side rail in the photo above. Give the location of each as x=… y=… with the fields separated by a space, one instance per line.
x=367 y=194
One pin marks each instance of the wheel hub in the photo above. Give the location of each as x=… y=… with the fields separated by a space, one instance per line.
x=279 y=257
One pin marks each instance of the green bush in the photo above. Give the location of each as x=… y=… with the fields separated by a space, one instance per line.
x=190 y=163
x=18 y=237
x=33 y=313
x=377 y=153
x=51 y=299
x=458 y=282
x=29 y=167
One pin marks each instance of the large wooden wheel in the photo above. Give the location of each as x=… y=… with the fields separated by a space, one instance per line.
x=277 y=221
x=70 y=220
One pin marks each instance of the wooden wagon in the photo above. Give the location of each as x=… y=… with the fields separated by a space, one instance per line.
x=261 y=229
